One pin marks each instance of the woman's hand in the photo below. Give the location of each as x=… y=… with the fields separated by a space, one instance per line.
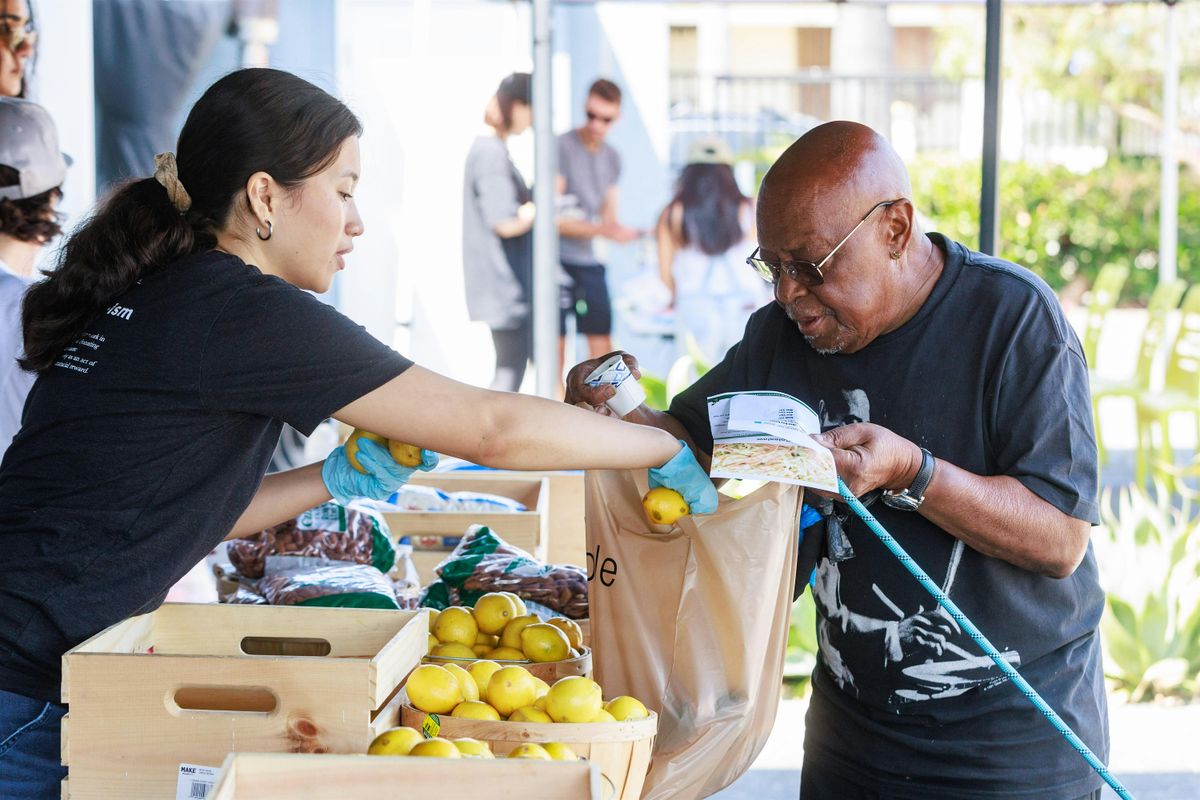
x=383 y=477
x=684 y=474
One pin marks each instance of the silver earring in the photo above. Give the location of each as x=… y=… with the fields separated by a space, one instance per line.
x=270 y=231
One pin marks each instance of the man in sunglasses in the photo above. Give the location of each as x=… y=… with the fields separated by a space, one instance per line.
x=17 y=40
x=588 y=170
x=950 y=384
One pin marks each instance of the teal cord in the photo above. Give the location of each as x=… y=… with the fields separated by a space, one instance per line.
x=981 y=640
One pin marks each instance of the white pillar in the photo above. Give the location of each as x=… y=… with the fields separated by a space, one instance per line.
x=1168 y=217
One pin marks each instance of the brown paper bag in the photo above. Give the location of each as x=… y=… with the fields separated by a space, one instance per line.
x=694 y=623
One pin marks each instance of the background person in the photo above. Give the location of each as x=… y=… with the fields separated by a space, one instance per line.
x=951 y=381
x=18 y=38
x=588 y=170
x=32 y=171
x=171 y=344
x=703 y=236
x=497 y=237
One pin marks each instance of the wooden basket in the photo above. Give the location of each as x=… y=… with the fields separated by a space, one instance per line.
x=192 y=683
x=549 y=671
x=524 y=529
x=257 y=776
x=620 y=749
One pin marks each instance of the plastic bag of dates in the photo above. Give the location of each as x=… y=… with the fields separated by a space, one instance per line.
x=483 y=562
x=330 y=531
x=344 y=585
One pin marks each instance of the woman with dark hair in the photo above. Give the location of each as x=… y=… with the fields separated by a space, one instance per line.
x=702 y=234
x=172 y=342
x=18 y=37
x=497 y=240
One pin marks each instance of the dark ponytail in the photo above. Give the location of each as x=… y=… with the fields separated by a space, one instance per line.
x=252 y=120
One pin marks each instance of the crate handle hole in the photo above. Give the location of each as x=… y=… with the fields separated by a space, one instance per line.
x=237 y=699
x=285 y=646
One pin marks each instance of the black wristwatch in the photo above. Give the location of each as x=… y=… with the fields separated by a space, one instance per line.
x=910 y=499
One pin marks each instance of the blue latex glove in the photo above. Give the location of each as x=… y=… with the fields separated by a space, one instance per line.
x=685 y=475
x=384 y=475
x=809 y=516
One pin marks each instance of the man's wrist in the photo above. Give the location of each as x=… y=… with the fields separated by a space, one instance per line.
x=909 y=474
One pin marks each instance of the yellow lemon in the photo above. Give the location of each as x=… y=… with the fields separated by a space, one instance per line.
x=465 y=682
x=432 y=642
x=493 y=611
x=663 y=506
x=394 y=742
x=625 y=708
x=511 y=688
x=530 y=750
x=474 y=709
x=543 y=643
x=436 y=748
x=540 y=703
x=511 y=637
x=559 y=751
x=408 y=455
x=481 y=650
x=571 y=629
x=488 y=639
x=433 y=689
x=482 y=672
x=433 y=615
x=453 y=650
x=519 y=603
x=508 y=654
x=603 y=716
x=352 y=446
x=574 y=699
x=529 y=714
x=542 y=686
x=456 y=624
x=473 y=748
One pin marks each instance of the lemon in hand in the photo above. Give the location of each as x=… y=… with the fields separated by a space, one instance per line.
x=664 y=506
x=407 y=455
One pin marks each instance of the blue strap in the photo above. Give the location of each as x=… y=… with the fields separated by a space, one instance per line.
x=987 y=647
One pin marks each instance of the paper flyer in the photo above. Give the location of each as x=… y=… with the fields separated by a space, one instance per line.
x=767 y=436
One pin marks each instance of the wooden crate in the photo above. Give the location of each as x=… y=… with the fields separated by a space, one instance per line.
x=549 y=671
x=524 y=529
x=255 y=776
x=620 y=749
x=192 y=683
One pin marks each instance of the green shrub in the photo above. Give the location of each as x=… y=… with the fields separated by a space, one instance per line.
x=1065 y=226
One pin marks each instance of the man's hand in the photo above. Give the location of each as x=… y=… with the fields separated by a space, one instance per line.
x=619 y=233
x=584 y=396
x=869 y=457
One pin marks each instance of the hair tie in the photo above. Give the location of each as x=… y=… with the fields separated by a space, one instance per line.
x=166 y=172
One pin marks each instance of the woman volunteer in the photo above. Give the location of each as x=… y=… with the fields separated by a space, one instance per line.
x=172 y=343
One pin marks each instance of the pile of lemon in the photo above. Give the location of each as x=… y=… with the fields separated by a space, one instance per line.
x=409 y=742
x=487 y=691
x=501 y=628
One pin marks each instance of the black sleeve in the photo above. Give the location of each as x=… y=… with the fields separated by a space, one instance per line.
x=277 y=351
x=1041 y=425
x=690 y=406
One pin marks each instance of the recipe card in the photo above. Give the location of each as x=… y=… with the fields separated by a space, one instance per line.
x=768 y=436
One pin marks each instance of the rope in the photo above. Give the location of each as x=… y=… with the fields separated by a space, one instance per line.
x=981 y=640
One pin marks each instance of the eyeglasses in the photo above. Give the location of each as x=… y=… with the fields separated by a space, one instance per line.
x=13 y=33
x=593 y=117
x=806 y=272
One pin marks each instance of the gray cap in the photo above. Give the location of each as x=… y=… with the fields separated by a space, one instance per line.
x=29 y=144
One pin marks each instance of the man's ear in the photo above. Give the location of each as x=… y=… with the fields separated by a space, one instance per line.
x=899 y=225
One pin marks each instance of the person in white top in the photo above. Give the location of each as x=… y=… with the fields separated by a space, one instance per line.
x=32 y=171
x=703 y=236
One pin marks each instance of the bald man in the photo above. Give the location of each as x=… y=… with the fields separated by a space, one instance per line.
x=950 y=385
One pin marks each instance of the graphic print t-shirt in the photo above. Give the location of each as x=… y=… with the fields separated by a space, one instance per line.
x=147 y=439
x=987 y=376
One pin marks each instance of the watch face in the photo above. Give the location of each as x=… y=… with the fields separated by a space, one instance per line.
x=903 y=501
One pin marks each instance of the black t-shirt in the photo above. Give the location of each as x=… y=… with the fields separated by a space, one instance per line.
x=145 y=442
x=990 y=377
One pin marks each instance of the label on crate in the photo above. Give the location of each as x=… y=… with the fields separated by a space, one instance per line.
x=195 y=781
x=431 y=726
